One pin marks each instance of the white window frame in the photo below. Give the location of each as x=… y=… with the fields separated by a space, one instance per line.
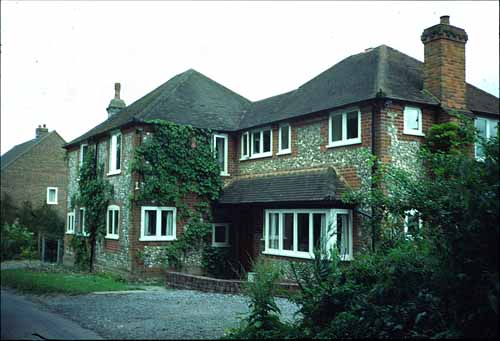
x=245 y=154
x=115 y=224
x=226 y=239
x=81 y=152
x=48 y=196
x=261 y=131
x=70 y=222
x=331 y=224
x=82 y=222
x=489 y=122
x=409 y=213
x=158 y=237
x=408 y=131
x=224 y=172
x=112 y=153
x=345 y=141
x=288 y=150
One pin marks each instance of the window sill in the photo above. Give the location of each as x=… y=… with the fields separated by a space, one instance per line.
x=259 y=156
x=68 y=232
x=225 y=174
x=220 y=245
x=244 y=158
x=284 y=152
x=52 y=203
x=115 y=172
x=156 y=239
x=303 y=255
x=113 y=237
x=414 y=133
x=343 y=143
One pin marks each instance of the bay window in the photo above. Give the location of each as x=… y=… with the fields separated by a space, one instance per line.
x=297 y=232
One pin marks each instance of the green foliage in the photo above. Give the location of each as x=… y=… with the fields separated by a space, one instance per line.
x=94 y=193
x=263 y=321
x=176 y=162
x=450 y=137
x=8 y=210
x=16 y=240
x=42 y=282
x=218 y=262
x=81 y=248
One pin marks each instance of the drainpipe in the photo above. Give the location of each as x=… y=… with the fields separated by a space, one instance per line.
x=375 y=113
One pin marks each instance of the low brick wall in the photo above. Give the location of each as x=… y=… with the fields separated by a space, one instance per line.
x=185 y=281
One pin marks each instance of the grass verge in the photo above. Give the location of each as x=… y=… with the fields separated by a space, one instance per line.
x=42 y=282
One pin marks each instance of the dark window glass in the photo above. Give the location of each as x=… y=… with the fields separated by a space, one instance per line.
x=288 y=231
x=303 y=231
x=319 y=230
x=245 y=145
x=150 y=222
x=256 y=142
x=267 y=141
x=336 y=128
x=118 y=150
x=116 y=221
x=352 y=125
x=220 y=234
x=220 y=152
x=273 y=230
x=110 y=222
x=285 y=137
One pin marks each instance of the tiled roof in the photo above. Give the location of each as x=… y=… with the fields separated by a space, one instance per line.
x=305 y=186
x=192 y=98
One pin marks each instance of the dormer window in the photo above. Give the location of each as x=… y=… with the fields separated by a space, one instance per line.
x=413 y=121
x=115 y=146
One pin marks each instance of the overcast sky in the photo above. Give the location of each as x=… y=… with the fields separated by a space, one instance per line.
x=59 y=60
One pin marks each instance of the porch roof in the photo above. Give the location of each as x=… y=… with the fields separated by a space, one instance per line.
x=319 y=185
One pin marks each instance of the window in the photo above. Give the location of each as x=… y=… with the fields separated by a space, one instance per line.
x=115 y=147
x=220 y=235
x=112 y=222
x=285 y=134
x=486 y=128
x=70 y=223
x=245 y=146
x=344 y=128
x=413 y=121
x=157 y=223
x=220 y=151
x=81 y=220
x=52 y=195
x=261 y=143
x=296 y=233
x=413 y=223
x=84 y=148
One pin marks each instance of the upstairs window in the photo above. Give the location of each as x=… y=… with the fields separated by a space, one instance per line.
x=84 y=148
x=344 y=128
x=220 y=151
x=245 y=146
x=284 y=138
x=158 y=223
x=412 y=121
x=70 y=223
x=261 y=143
x=486 y=128
x=112 y=222
x=220 y=235
x=52 y=195
x=413 y=223
x=115 y=147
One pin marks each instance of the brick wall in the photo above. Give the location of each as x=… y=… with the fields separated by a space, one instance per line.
x=27 y=178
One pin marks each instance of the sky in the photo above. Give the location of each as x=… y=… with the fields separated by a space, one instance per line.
x=60 y=60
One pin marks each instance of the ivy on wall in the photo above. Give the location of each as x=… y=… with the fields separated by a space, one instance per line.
x=174 y=162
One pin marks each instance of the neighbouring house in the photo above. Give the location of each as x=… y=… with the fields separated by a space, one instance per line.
x=35 y=171
x=285 y=160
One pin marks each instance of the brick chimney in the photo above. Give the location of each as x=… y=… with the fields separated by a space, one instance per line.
x=116 y=103
x=444 y=63
x=41 y=131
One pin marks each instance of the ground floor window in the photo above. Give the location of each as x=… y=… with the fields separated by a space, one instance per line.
x=297 y=232
x=413 y=223
x=220 y=235
x=81 y=221
x=158 y=223
x=70 y=223
x=112 y=222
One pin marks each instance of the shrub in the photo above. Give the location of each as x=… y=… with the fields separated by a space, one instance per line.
x=15 y=239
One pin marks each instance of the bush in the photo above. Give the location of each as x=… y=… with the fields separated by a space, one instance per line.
x=16 y=240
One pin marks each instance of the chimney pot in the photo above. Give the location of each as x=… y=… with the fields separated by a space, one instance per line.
x=40 y=132
x=445 y=19
x=117 y=90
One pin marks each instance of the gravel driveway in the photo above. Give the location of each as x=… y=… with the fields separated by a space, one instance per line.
x=156 y=314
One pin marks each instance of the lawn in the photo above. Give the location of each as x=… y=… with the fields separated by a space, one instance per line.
x=40 y=282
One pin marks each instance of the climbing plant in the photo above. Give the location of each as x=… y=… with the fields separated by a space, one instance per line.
x=174 y=163
x=94 y=192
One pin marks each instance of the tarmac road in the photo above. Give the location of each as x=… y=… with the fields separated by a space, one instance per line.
x=21 y=319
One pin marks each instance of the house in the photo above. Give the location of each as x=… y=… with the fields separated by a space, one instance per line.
x=36 y=171
x=286 y=160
